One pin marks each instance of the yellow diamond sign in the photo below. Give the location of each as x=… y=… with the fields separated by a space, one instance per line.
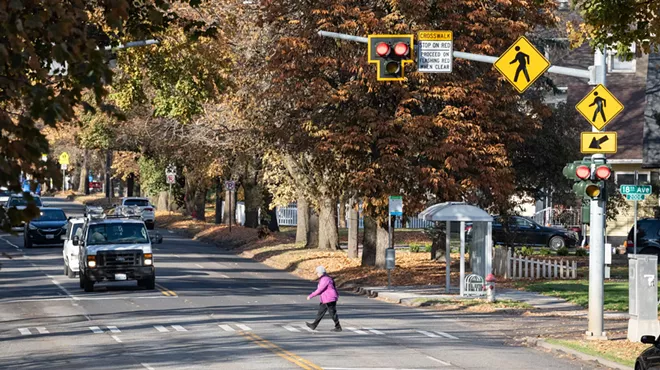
x=522 y=64
x=599 y=107
x=64 y=158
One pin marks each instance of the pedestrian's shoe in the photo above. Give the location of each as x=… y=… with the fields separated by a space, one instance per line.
x=337 y=330
x=311 y=326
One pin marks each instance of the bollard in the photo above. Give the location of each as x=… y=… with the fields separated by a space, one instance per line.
x=490 y=288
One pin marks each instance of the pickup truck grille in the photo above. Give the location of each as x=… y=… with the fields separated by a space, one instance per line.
x=119 y=258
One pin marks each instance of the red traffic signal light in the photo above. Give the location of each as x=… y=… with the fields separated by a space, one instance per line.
x=603 y=172
x=390 y=53
x=401 y=49
x=583 y=172
x=383 y=49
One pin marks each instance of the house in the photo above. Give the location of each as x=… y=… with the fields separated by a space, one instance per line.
x=636 y=84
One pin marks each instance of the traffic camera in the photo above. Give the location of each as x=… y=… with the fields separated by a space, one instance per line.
x=390 y=53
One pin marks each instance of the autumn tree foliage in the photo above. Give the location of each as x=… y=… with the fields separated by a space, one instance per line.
x=432 y=137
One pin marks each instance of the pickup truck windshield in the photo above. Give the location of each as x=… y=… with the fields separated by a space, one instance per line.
x=136 y=202
x=117 y=233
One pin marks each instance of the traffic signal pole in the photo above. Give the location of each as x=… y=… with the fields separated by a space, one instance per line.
x=597 y=238
x=595 y=74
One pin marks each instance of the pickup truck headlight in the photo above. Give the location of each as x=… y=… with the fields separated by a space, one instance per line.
x=148 y=259
x=91 y=261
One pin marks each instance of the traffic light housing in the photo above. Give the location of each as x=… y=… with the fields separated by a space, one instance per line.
x=390 y=53
x=589 y=178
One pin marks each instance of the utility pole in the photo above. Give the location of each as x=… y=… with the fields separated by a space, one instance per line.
x=597 y=234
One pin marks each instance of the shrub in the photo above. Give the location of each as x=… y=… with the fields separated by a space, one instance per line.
x=427 y=248
x=581 y=252
x=545 y=251
x=526 y=251
x=414 y=247
x=563 y=251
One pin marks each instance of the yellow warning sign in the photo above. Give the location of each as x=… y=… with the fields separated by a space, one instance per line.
x=598 y=143
x=522 y=64
x=599 y=107
x=64 y=158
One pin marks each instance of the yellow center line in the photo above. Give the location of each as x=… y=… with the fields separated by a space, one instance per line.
x=165 y=291
x=293 y=358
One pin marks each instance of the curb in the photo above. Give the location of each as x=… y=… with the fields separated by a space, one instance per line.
x=582 y=356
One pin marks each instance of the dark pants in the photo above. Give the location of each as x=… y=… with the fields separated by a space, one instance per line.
x=323 y=307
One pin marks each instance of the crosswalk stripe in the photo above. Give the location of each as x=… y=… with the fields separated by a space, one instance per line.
x=24 y=331
x=304 y=327
x=43 y=330
x=178 y=328
x=113 y=329
x=226 y=328
x=96 y=329
x=446 y=335
x=291 y=328
x=358 y=331
x=243 y=327
x=374 y=331
x=427 y=334
x=161 y=328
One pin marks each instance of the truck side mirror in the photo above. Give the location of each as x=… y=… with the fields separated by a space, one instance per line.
x=648 y=339
x=76 y=240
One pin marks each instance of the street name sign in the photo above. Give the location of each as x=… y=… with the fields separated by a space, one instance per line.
x=64 y=158
x=599 y=107
x=435 y=53
x=522 y=64
x=598 y=142
x=635 y=189
x=396 y=205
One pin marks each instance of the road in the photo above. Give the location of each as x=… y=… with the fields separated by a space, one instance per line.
x=214 y=310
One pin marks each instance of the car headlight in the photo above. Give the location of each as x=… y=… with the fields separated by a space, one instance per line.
x=148 y=259
x=91 y=261
x=32 y=227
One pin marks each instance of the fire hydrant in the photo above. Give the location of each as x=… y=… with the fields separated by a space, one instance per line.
x=490 y=288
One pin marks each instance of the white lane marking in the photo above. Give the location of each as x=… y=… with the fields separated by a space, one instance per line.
x=161 y=328
x=116 y=338
x=178 y=328
x=256 y=288
x=438 y=361
x=24 y=331
x=176 y=255
x=146 y=366
x=304 y=327
x=243 y=327
x=85 y=299
x=226 y=328
x=10 y=243
x=96 y=329
x=224 y=276
x=357 y=331
x=43 y=330
x=431 y=335
x=374 y=331
x=198 y=265
x=291 y=328
x=170 y=231
x=64 y=290
x=113 y=329
x=446 y=335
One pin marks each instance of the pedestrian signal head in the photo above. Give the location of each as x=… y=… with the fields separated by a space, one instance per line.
x=390 y=53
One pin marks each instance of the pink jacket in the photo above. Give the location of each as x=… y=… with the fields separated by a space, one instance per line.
x=326 y=289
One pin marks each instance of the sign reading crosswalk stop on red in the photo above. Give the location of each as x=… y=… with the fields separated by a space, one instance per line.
x=522 y=64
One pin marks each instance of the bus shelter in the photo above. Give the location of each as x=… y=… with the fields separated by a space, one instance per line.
x=481 y=237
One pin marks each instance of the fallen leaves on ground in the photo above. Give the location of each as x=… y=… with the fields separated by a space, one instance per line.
x=618 y=348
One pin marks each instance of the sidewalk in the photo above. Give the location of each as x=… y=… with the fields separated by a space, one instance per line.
x=411 y=295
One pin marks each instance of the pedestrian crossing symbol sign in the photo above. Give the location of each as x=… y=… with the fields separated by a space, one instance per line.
x=522 y=64
x=599 y=107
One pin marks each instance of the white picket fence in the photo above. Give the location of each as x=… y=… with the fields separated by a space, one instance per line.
x=519 y=267
x=288 y=216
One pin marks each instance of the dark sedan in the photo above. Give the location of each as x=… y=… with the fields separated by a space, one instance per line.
x=523 y=231
x=650 y=358
x=48 y=229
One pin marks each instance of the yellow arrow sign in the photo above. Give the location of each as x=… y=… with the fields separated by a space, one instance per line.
x=522 y=64
x=599 y=107
x=64 y=158
x=598 y=143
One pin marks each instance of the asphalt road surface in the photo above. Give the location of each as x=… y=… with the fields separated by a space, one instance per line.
x=213 y=310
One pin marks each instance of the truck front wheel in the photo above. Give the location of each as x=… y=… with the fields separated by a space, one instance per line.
x=148 y=283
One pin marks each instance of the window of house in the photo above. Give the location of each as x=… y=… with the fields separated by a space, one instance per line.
x=618 y=65
x=628 y=178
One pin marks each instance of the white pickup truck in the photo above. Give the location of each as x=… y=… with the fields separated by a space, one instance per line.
x=70 y=251
x=146 y=209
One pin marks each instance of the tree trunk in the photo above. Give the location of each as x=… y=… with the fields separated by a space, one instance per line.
x=328 y=233
x=230 y=198
x=353 y=226
x=218 y=200
x=302 y=227
x=342 y=211
x=130 y=185
x=313 y=231
x=83 y=185
x=252 y=203
x=120 y=184
x=271 y=214
x=382 y=243
x=200 y=204
x=108 y=177
x=163 y=201
x=369 y=242
x=438 y=246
